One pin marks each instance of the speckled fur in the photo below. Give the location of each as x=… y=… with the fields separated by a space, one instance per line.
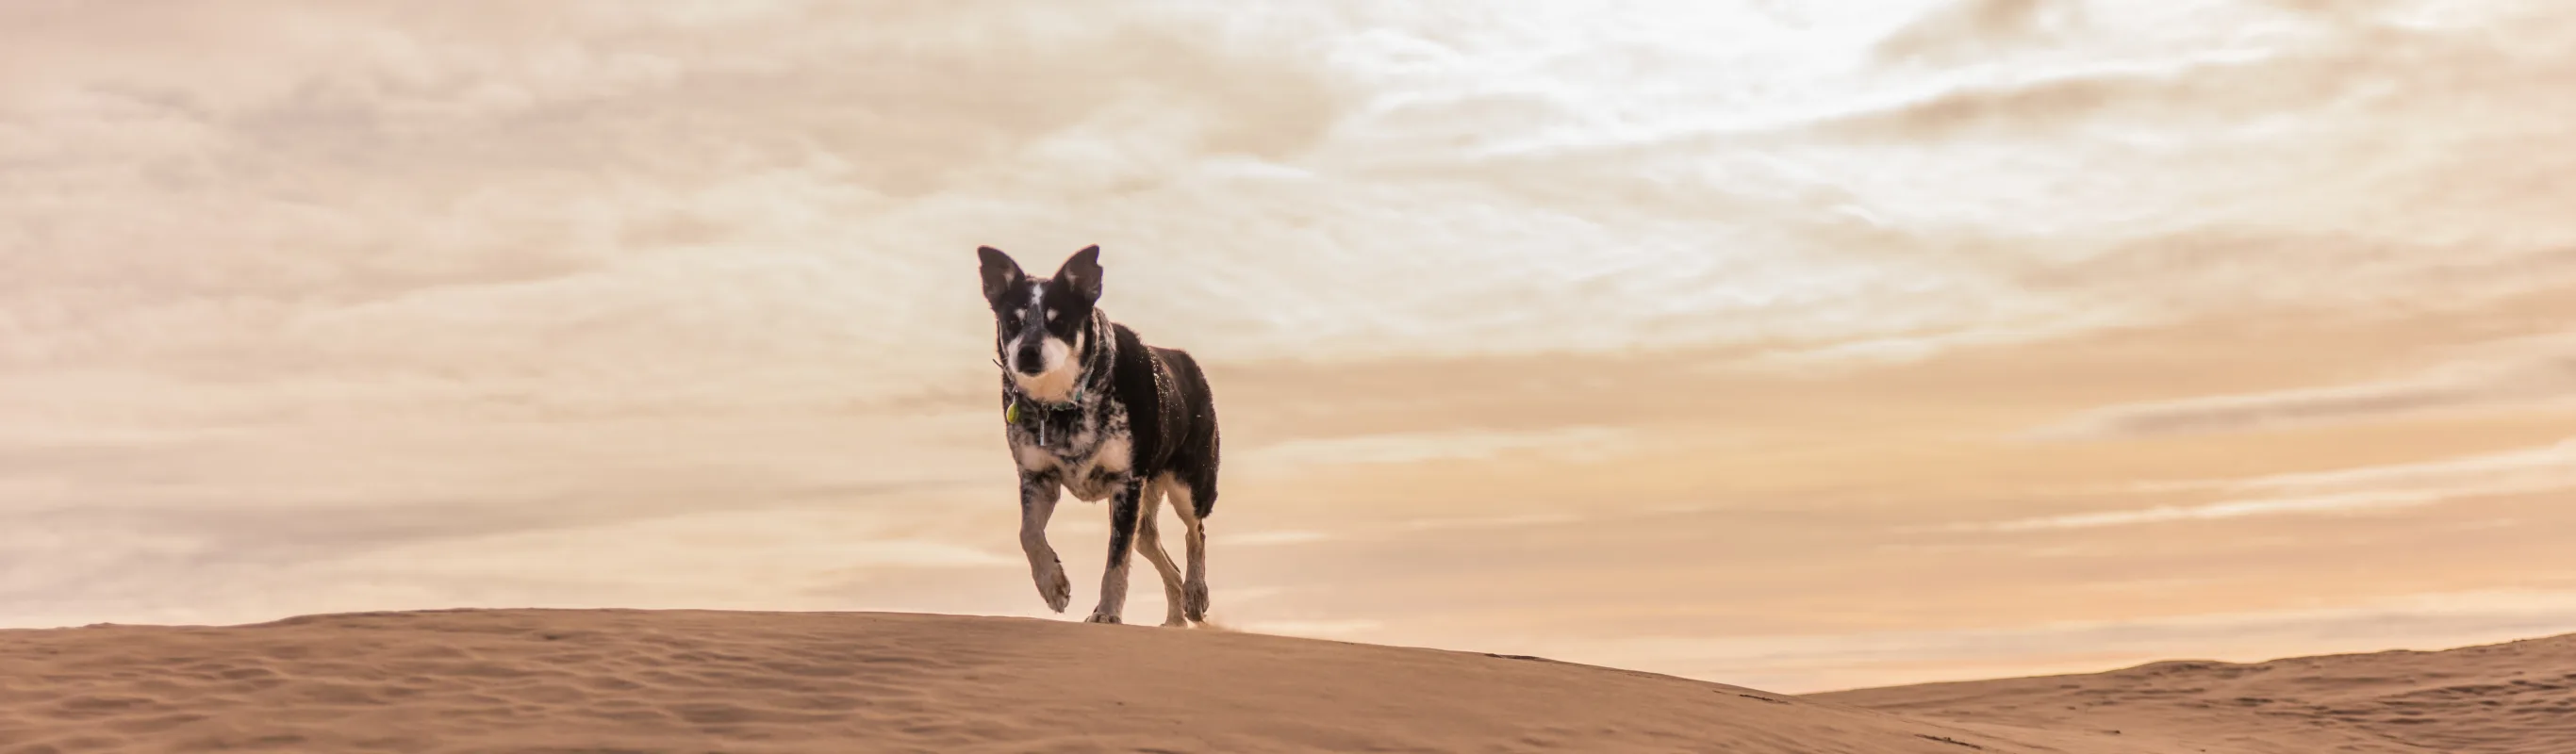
x=1092 y=442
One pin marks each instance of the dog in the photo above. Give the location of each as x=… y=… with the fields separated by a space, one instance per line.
x=1089 y=408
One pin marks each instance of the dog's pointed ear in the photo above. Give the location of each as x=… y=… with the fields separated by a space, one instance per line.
x=1081 y=274
x=1001 y=274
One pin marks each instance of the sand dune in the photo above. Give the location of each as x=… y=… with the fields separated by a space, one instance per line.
x=2517 y=698
x=533 y=680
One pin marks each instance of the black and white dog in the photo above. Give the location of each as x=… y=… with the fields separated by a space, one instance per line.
x=1092 y=409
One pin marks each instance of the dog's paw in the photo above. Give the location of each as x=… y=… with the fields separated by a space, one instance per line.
x=1054 y=587
x=1101 y=618
x=1176 y=621
x=1194 y=600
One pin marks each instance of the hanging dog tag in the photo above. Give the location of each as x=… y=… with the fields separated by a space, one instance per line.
x=1011 y=415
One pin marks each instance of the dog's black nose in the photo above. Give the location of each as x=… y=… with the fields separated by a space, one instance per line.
x=1029 y=360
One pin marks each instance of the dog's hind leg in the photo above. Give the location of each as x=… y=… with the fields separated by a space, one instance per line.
x=1038 y=491
x=1123 y=507
x=1149 y=542
x=1194 y=588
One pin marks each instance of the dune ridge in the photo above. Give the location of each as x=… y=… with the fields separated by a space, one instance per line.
x=2512 y=698
x=697 y=681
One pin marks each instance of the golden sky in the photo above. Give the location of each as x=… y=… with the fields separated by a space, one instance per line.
x=1796 y=345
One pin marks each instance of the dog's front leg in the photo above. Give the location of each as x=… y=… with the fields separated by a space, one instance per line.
x=1038 y=491
x=1122 y=532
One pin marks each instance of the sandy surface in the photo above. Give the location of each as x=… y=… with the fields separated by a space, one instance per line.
x=2517 y=698
x=823 y=682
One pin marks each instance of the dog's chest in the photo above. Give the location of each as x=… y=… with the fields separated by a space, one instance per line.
x=1091 y=455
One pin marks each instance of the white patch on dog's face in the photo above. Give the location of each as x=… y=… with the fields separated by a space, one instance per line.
x=1055 y=382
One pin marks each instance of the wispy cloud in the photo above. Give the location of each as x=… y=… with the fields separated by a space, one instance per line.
x=2530 y=469
x=1578 y=443
x=1268 y=538
x=2539 y=469
x=2517 y=373
x=2357 y=501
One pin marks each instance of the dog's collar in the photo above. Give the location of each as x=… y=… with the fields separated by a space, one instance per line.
x=1070 y=403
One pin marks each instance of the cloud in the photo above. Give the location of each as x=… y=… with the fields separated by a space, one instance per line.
x=1416 y=447
x=2349 y=502
x=1268 y=538
x=2515 y=373
x=2530 y=470
x=1967 y=28
x=2539 y=467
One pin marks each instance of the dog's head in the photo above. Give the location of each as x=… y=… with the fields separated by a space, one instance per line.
x=1042 y=325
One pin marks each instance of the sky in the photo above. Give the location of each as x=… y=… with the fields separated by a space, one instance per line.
x=1793 y=345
